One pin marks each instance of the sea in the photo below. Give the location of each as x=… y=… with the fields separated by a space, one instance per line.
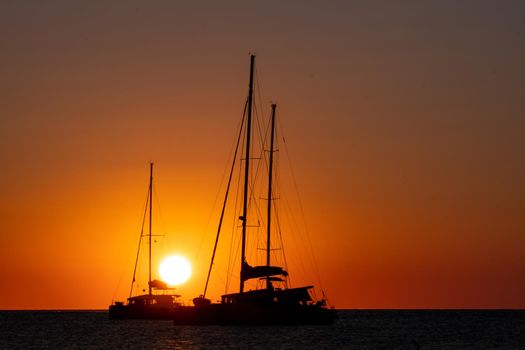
x=354 y=329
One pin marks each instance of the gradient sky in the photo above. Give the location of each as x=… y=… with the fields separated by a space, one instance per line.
x=405 y=121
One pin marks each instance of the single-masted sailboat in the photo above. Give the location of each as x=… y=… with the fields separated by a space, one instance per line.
x=160 y=301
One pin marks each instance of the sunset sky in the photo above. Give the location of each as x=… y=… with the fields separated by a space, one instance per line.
x=405 y=122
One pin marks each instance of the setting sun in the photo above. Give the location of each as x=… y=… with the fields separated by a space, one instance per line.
x=175 y=270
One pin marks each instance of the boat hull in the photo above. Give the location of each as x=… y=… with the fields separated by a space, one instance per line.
x=246 y=315
x=153 y=312
x=229 y=314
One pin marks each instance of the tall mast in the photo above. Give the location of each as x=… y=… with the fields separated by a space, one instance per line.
x=150 y=211
x=247 y=170
x=270 y=176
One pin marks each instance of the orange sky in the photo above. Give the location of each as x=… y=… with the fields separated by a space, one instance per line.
x=404 y=123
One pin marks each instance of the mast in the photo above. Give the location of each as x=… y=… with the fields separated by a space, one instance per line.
x=246 y=170
x=150 y=211
x=270 y=176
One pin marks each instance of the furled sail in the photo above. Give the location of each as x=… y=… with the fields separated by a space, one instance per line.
x=158 y=285
x=249 y=272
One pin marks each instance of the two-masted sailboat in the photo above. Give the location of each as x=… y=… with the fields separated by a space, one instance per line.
x=273 y=302
x=159 y=302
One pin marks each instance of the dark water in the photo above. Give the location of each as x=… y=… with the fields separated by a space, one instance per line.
x=353 y=330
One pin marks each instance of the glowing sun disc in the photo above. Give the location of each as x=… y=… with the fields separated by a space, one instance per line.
x=175 y=270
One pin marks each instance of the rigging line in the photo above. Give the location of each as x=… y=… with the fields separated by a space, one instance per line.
x=162 y=231
x=259 y=90
x=129 y=256
x=163 y=243
x=252 y=184
x=234 y=248
x=221 y=183
x=301 y=208
x=225 y=201
x=298 y=236
x=140 y=241
x=253 y=204
x=220 y=276
x=262 y=137
x=277 y=216
x=252 y=188
x=279 y=230
x=295 y=229
x=236 y=253
x=236 y=211
x=260 y=239
x=263 y=141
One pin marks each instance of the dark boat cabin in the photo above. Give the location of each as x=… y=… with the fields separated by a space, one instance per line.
x=291 y=296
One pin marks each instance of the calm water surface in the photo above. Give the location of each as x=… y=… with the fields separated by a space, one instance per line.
x=355 y=329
